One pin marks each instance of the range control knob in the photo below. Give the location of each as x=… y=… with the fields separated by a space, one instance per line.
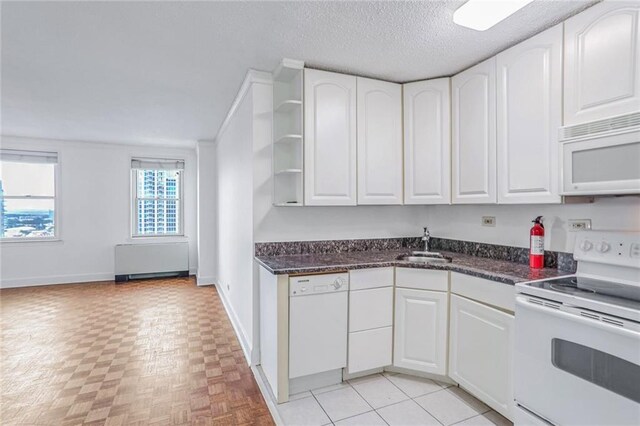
x=586 y=245
x=603 y=247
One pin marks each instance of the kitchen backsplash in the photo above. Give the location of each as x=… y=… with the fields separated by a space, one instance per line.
x=336 y=246
x=562 y=261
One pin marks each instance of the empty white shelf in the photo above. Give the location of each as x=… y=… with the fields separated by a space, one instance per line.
x=289 y=138
x=287 y=171
x=289 y=105
x=289 y=204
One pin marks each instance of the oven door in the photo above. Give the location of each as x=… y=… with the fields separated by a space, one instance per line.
x=601 y=165
x=574 y=370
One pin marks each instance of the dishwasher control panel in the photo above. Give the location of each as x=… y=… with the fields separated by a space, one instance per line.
x=318 y=284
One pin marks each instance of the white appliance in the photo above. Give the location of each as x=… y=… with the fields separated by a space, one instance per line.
x=601 y=157
x=133 y=260
x=577 y=345
x=318 y=324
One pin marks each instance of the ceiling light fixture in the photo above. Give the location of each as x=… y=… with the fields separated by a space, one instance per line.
x=483 y=14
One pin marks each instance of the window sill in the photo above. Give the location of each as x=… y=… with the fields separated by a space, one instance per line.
x=12 y=241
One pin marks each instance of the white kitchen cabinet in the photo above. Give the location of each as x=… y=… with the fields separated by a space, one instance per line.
x=370 y=319
x=362 y=279
x=474 y=134
x=379 y=127
x=529 y=108
x=427 y=142
x=602 y=62
x=329 y=139
x=370 y=308
x=481 y=352
x=420 y=341
x=369 y=349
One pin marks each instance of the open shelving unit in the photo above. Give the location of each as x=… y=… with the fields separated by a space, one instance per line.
x=288 y=140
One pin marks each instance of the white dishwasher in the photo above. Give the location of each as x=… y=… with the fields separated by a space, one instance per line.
x=317 y=323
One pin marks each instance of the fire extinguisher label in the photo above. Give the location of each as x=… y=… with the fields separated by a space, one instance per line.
x=537 y=244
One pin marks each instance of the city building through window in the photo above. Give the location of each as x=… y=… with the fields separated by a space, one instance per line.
x=28 y=195
x=157 y=205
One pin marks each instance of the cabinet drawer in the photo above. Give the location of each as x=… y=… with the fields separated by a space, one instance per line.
x=370 y=308
x=369 y=349
x=422 y=279
x=361 y=279
x=490 y=292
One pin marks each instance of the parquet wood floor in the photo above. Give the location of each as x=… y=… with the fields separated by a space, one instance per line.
x=159 y=352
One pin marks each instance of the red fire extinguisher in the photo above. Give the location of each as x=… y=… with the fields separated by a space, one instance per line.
x=536 y=246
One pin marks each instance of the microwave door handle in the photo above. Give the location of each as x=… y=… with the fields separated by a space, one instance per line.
x=522 y=301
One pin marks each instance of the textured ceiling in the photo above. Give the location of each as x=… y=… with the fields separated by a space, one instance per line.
x=168 y=71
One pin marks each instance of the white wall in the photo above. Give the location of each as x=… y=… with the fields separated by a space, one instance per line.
x=329 y=223
x=235 y=223
x=94 y=212
x=462 y=222
x=207 y=204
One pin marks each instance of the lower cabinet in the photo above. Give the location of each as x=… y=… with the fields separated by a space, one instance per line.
x=370 y=343
x=420 y=342
x=369 y=349
x=480 y=353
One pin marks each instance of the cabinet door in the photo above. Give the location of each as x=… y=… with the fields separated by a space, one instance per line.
x=370 y=308
x=474 y=134
x=330 y=138
x=602 y=62
x=379 y=142
x=480 y=353
x=369 y=349
x=529 y=115
x=421 y=331
x=427 y=142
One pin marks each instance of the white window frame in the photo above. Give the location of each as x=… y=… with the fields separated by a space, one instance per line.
x=56 y=202
x=134 y=204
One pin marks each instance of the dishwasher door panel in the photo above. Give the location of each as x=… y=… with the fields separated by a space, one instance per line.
x=317 y=333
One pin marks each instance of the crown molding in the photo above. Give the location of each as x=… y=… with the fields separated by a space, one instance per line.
x=253 y=76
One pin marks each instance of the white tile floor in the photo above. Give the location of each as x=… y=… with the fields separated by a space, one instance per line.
x=388 y=399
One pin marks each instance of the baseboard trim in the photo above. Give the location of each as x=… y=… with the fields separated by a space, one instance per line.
x=205 y=280
x=55 y=280
x=237 y=327
x=265 y=390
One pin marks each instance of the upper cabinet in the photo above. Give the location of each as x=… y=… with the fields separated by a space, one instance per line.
x=474 y=134
x=602 y=62
x=427 y=142
x=487 y=135
x=379 y=127
x=329 y=138
x=529 y=107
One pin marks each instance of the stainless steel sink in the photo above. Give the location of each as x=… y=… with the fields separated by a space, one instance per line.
x=424 y=257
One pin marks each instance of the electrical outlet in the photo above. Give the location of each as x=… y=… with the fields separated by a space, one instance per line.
x=488 y=221
x=579 y=224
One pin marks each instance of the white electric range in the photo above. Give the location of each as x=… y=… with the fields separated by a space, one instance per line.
x=577 y=345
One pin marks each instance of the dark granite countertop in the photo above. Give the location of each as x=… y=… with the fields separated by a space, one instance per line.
x=496 y=270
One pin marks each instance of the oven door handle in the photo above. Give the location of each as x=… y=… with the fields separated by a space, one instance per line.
x=522 y=301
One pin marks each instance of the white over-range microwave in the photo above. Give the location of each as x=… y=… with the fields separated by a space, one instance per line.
x=601 y=157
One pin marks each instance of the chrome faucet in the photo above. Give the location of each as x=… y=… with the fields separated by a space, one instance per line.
x=426 y=237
